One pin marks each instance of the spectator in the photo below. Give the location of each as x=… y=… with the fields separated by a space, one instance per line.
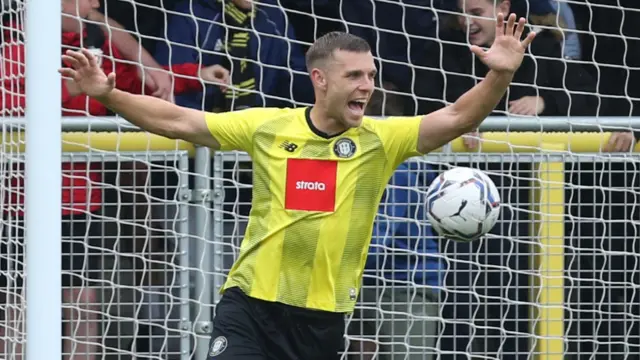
x=158 y=81
x=154 y=77
x=81 y=196
x=555 y=14
x=398 y=31
x=312 y=19
x=544 y=85
x=252 y=40
x=399 y=299
x=572 y=45
x=146 y=18
x=611 y=51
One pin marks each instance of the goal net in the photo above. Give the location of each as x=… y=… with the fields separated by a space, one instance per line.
x=156 y=224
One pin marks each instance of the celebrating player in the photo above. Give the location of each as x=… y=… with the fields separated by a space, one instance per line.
x=319 y=173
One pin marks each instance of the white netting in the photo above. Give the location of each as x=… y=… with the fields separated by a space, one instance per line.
x=124 y=206
x=499 y=298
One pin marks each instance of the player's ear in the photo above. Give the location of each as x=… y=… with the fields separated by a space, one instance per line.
x=318 y=78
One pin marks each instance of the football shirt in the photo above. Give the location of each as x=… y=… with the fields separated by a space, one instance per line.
x=314 y=201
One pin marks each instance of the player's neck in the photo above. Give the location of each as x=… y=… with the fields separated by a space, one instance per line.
x=326 y=124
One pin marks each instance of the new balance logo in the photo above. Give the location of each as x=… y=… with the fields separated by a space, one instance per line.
x=290 y=147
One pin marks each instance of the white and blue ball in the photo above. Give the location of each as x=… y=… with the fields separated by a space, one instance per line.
x=463 y=204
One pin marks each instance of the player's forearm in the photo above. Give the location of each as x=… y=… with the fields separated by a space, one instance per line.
x=149 y=113
x=476 y=104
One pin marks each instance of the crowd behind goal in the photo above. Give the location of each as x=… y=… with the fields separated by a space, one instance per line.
x=423 y=297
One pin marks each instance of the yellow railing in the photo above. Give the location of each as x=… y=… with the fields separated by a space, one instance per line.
x=493 y=142
x=104 y=141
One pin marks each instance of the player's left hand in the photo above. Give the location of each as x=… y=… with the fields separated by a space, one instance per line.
x=507 y=51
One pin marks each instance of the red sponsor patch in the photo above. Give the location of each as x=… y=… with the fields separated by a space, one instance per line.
x=311 y=185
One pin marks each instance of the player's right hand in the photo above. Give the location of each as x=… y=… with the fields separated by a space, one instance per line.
x=86 y=74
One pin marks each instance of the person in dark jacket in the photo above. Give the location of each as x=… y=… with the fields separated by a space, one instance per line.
x=397 y=31
x=253 y=40
x=545 y=84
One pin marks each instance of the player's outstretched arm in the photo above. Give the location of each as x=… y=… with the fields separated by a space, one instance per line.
x=149 y=113
x=465 y=115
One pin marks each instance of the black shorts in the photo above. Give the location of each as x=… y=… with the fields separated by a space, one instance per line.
x=252 y=329
x=81 y=238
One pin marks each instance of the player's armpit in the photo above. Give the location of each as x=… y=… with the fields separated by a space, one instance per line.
x=195 y=129
x=400 y=137
x=234 y=130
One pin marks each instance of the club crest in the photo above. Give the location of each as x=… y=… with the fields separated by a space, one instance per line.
x=344 y=148
x=218 y=346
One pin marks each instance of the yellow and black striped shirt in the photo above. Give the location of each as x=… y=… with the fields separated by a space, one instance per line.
x=315 y=198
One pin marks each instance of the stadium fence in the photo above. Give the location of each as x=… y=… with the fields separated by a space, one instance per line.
x=509 y=295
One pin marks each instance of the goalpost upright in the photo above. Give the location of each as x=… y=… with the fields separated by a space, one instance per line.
x=43 y=180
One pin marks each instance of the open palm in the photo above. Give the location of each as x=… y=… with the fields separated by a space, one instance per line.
x=87 y=74
x=507 y=51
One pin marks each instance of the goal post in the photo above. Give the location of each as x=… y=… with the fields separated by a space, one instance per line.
x=547 y=311
x=42 y=198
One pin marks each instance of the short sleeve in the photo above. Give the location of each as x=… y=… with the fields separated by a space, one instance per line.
x=400 y=137
x=234 y=130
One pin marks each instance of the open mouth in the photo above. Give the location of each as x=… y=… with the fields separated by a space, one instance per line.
x=357 y=105
x=474 y=31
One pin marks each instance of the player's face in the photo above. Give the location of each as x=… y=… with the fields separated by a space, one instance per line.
x=243 y=4
x=350 y=83
x=478 y=20
x=75 y=10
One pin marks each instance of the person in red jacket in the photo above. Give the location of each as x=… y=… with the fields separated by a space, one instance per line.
x=81 y=193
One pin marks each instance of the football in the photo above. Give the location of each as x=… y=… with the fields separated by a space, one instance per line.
x=463 y=204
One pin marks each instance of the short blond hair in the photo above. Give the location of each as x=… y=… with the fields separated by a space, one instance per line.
x=324 y=47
